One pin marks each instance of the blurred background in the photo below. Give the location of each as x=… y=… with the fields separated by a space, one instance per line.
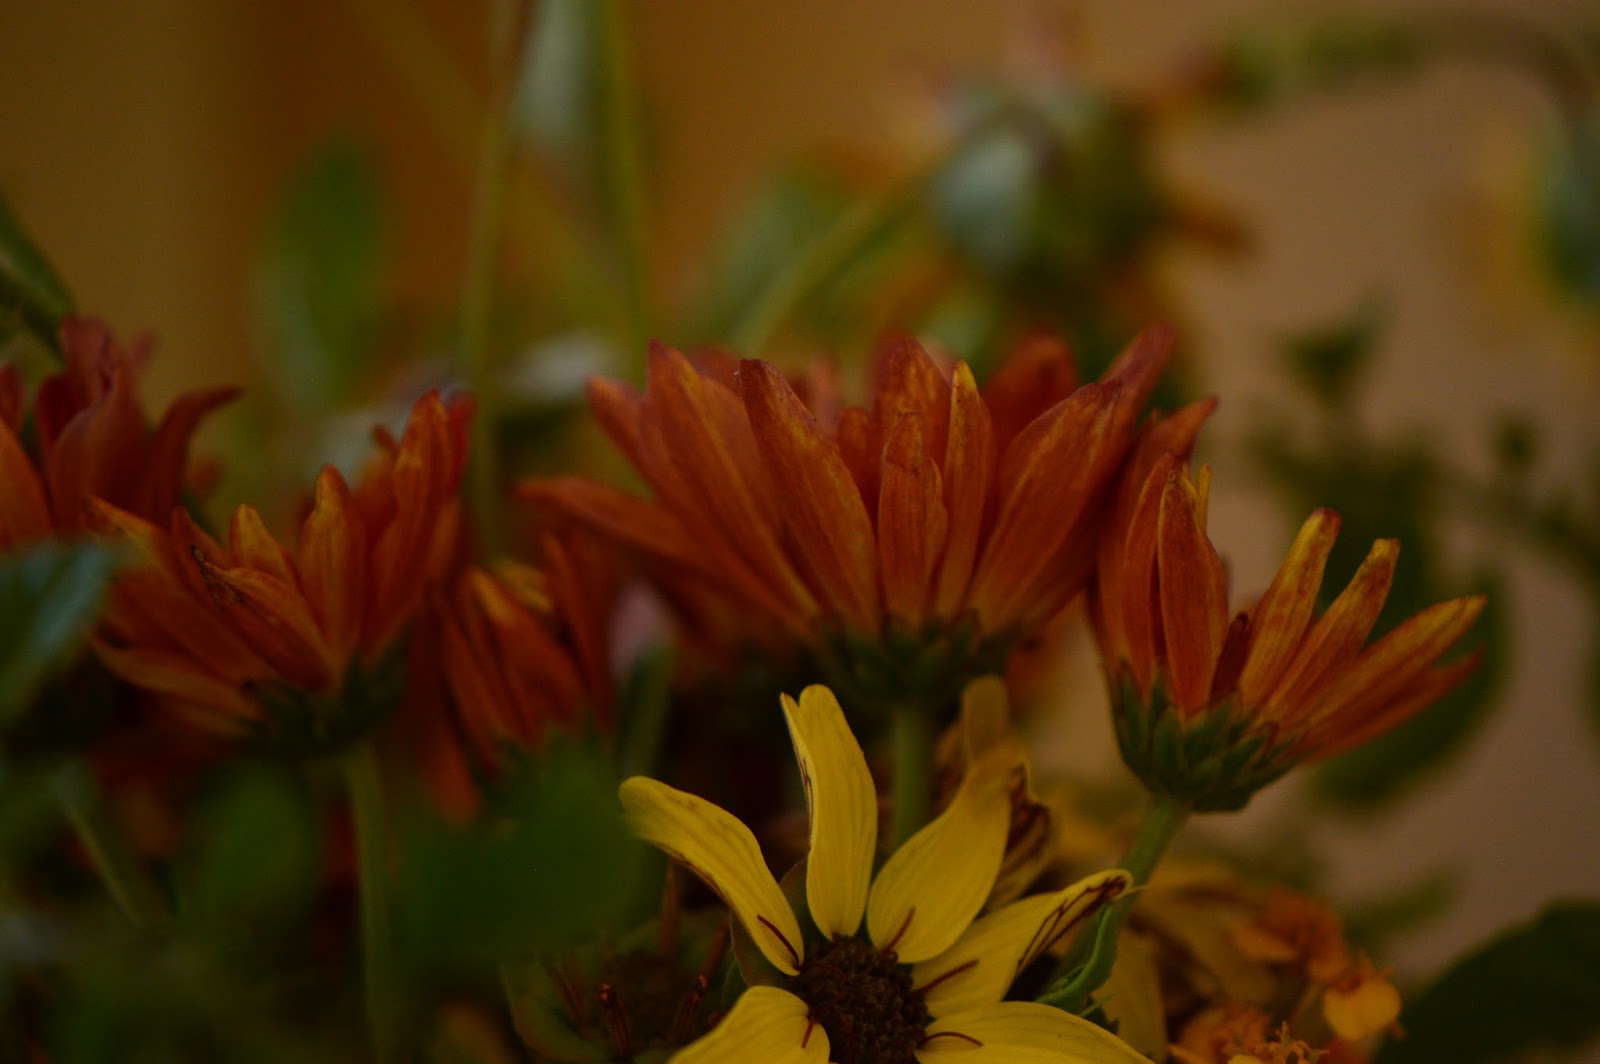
x=1379 y=232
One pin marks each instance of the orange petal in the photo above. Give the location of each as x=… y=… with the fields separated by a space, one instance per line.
x=1037 y=375
x=1134 y=601
x=860 y=451
x=254 y=547
x=828 y=525
x=24 y=511
x=618 y=408
x=1280 y=618
x=167 y=459
x=1366 y=720
x=1338 y=634
x=1391 y=667
x=11 y=397
x=912 y=522
x=179 y=676
x=1192 y=586
x=701 y=438
x=276 y=621
x=968 y=472
x=333 y=561
x=908 y=382
x=100 y=452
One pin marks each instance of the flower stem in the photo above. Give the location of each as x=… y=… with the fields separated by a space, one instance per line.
x=477 y=301
x=369 y=813
x=1088 y=964
x=913 y=769
x=624 y=175
x=834 y=249
x=125 y=879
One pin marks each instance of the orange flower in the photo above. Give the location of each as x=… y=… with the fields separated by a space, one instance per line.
x=909 y=541
x=1210 y=710
x=525 y=650
x=225 y=633
x=1239 y=1034
x=91 y=439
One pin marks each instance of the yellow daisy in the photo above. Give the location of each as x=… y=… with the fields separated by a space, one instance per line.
x=926 y=982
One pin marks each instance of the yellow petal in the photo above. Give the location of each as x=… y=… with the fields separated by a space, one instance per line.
x=931 y=888
x=765 y=1024
x=980 y=967
x=1362 y=1010
x=844 y=810
x=714 y=845
x=1022 y=1032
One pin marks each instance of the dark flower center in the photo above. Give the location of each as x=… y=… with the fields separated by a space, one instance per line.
x=863 y=998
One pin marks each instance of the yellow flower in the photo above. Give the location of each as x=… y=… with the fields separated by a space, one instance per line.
x=927 y=981
x=1209 y=708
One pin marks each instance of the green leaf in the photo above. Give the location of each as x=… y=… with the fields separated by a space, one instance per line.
x=318 y=284
x=28 y=284
x=1376 y=772
x=551 y=866
x=1331 y=359
x=1536 y=986
x=49 y=596
x=258 y=855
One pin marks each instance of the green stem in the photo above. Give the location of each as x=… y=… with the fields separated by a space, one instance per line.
x=477 y=302
x=624 y=183
x=1088 y=964
x=834 y=249
x=125 y=879
x=913 y=769
x=369 y=813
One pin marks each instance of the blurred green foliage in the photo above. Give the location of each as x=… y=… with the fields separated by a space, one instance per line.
x=31 y=293
x=50 y=595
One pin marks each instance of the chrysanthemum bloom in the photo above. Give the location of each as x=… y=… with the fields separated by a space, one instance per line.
x=225 y=633
x=90 y=439
x=525 y=649
x=1209 y=710
x=910 y=541
x=927 y=981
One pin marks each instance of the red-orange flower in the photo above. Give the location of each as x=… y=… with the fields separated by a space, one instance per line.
x=217 y=630
x=1209 y=709
x=908 y=538
x=90 y=439
x=525 y=650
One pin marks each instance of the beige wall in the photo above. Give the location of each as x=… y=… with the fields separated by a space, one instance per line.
x=143 y=141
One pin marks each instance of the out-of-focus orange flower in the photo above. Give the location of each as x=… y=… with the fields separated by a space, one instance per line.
x=219 y=631
x=1209 y=709
x=525 y=650
x=1291 y=928
x=1239 y=1034
x=908 y=539
x=90 y=439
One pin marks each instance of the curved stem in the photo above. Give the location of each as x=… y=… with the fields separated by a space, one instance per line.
x=913 y=770
x=369 y=813
x=1088 y=964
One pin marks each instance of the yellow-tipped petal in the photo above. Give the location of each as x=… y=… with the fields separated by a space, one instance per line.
x=930 y=889
x=714 y=845
x=844 y=810
x=766 y=1024
x=981 y=966
x=1281 y=617
x=1022 y=1032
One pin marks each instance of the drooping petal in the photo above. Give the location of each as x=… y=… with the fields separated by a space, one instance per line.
x=828 y=525
x=1194 y=603
x=912 y=522
x=166 y=462
x=1281 y=617
x=716 y=846
x=100 y=452
x=983 y=963
x=1356 y=725
x=766 y=1024
x=1022 y=1032
x=969 y=463
x=929 y=890
x=844 y=810
x=179 y=676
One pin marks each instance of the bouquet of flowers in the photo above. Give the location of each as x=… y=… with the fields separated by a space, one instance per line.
x=712 y=741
